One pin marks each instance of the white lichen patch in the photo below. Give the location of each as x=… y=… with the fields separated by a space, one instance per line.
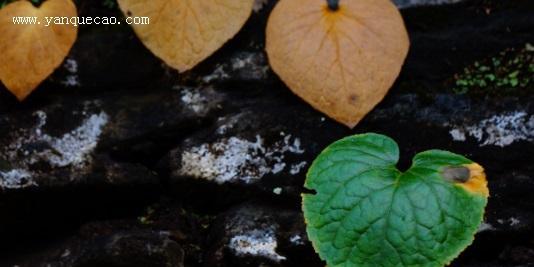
x=259 y=4
x=228 y=123
x=259 y=243
x=253 y=63
x=65 y=253
x=72 y=149
x=514 y=221
x=413 y=3
x=296 y=240
x=224 y=128
x=484 y=226
x=71 y=65
x=277 y=191
x=296 y=168
x=278 y=167
x=16 y=179
x=242 y=65
x=457 y=135
x=237 y=160
x=217 y=74
x=499 y=130
x=72 y=79
x=194 y=100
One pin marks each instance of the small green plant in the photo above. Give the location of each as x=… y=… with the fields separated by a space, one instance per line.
x=111 y=4
x=146 y=219
x=365 y=212
x=3 y=3
x=511 y=69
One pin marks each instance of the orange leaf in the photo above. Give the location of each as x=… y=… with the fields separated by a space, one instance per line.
x=340 y=61
x=184 y=32
x=30 y=53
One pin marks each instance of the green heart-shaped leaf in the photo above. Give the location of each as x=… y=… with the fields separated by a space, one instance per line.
x=368 y=213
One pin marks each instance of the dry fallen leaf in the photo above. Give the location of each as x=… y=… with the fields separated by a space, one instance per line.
x=340 y=61
x=30 y=53
x=184 y=32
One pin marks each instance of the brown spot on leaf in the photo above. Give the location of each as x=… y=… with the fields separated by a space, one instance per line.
x=353 y=99
x=458 y=174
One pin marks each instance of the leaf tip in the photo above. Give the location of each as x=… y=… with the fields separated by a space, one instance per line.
x=351 y=123
x=21 y=98
x=21 y=93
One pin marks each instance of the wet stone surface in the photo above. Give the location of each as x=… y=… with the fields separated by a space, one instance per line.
x=416 y=3
x=254 y=234
x=139 y=248
x=117 y=160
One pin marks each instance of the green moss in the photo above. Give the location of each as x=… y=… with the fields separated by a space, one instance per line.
x=3 y=3
x=510 y=70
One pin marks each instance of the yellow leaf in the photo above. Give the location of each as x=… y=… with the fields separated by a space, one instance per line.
x=30 y=53
x=340 y=61
x=184 y=32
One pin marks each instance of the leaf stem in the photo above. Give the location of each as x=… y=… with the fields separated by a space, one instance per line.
x=37 y=3
x=333 y=5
